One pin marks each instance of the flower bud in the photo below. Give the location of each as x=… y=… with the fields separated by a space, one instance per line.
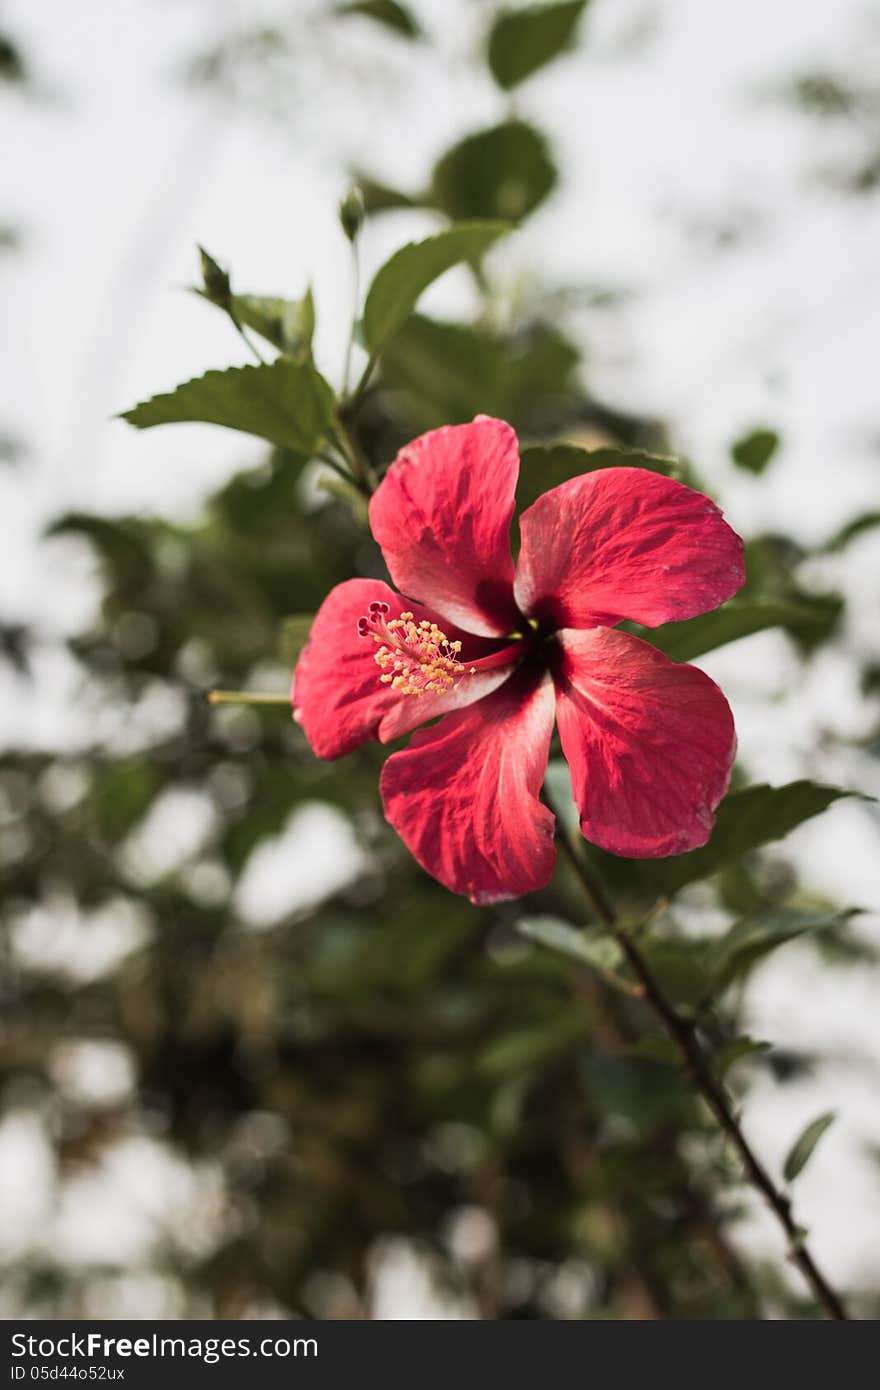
x=351 y=212
x=216 y=281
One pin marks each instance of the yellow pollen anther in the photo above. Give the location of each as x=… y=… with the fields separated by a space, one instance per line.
x=414 y=658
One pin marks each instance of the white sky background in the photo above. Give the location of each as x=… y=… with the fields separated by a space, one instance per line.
x=667 y=125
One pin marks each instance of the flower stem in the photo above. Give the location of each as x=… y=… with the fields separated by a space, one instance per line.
x=338 y=468
x=361 y=473
x=245 y=697
x=364 y=381
x=356 y=302
x=244 y=335
x=694 y=1062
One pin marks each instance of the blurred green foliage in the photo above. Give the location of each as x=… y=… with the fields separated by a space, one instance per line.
x=389 y=1058
x=396 y=17
x=755 y=450
x=843 y=102
x=523 y=40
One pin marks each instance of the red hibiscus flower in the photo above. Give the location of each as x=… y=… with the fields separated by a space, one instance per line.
x=500 y=652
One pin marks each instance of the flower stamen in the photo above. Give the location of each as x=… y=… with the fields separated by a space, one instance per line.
x=415 y=658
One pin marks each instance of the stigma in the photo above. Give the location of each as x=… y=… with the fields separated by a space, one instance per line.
x=414 y=658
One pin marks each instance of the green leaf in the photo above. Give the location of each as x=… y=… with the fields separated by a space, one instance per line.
x=655 y=1049
x=771 y=561
x=588 y=947
x=446 y=373
x=870 y=685
x=754 y=450
x=399 y=283
x=504 y=172
x=289 y=403
x=746 y=820
x=545 y=466
x=522 y=41
x=825 y=94
x=752 y=938
x=525 y=1048
x=802 y=1149
x=12 y=67
x=736 y=619
x=288 y=324
x=851 y=531
x=121 y=793
x=679 y=964
x=293 y=636
x=381 y=197
x=737 y=1050
x=816 y=620
x=121 y=545
x=386 y=12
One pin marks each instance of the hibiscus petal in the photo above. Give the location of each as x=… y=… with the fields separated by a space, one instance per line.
x=625 y=543
x=442 y=517
x=464 y=795
x=337 y=695
x=650 y=743
x=407 y=712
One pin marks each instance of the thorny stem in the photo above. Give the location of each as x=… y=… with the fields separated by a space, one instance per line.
x=696 y=1065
